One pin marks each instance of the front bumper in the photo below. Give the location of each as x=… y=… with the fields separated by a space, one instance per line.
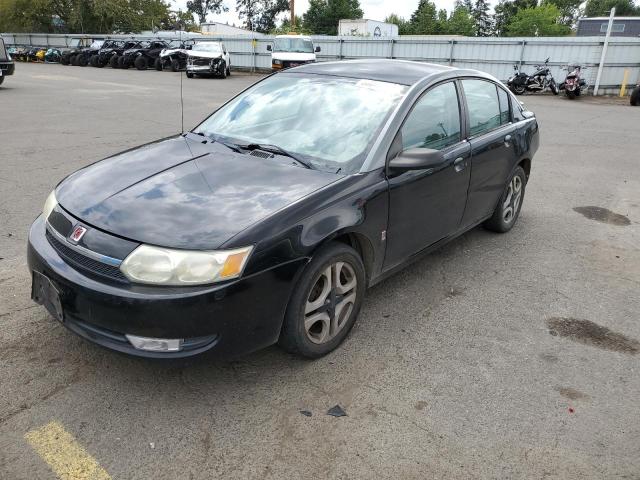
x=229 y=319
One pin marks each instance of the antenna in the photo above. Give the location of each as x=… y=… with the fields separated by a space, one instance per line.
x=181 y=95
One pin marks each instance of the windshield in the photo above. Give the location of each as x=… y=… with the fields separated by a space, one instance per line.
x=330 y=122
x=207 y=47
x=297 y=45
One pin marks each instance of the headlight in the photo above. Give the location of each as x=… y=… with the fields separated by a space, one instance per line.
x=49 y=204
x=164 y=266
x=277 y=62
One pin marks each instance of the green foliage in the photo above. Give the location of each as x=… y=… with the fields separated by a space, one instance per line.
x=323 y=16
x=260 y=15
x=461 y=22
x=201 y=8
x=602 y=8
x=285 y=27
x=427 y=20
x=481 y=18
x=541 y=21
x=424 y=20
x=86 y=16
x=403 y=25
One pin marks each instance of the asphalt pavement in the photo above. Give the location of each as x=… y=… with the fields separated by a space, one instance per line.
x=498 y=356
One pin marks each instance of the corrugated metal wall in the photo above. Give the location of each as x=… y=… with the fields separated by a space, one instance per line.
x=493 y=55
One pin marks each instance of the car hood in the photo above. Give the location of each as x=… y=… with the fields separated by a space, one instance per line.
x=203 y=54
x=293 y=56
x=180 y=193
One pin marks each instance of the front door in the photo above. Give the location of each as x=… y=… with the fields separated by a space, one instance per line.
x=427 y=205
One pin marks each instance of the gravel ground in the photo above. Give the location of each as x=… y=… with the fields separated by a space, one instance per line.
x=498 y=356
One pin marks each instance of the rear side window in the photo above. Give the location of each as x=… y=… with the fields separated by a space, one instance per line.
x=483 y=105
x=434 y=121
x=503 y=98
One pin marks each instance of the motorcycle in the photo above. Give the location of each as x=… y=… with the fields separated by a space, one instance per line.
x=573 y=83
x=540 y=81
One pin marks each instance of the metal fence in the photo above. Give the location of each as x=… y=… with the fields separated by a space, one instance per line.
x=493 y=55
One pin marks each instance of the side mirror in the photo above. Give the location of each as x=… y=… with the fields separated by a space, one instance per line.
x=528 y=114
x=268 y=48
x=416 y=159
x=317 y=49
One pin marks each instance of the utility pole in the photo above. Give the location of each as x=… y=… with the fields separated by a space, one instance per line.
x=604 y=51
x=293 y=13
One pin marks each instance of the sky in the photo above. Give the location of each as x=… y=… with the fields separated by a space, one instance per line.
x=373 y=9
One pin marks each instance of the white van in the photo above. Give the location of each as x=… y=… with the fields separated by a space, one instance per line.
x=291 y=50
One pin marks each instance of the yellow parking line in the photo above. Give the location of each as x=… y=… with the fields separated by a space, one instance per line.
x=63 y=454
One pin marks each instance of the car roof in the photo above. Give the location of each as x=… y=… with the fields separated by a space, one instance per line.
x=405 y=72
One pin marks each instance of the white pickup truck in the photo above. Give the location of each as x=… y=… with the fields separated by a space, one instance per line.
x=291 y=50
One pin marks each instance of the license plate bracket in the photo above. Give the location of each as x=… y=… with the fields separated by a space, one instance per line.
x=46 y=294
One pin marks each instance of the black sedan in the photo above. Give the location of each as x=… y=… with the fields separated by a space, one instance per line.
x=268 y=221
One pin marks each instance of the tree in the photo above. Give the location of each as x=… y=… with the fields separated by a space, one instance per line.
x=285 y=27
x=460 y=22
x=602 y=8
x=424 y=21
x=202 y=7
x=542 y=21
x=506 y=10
x=481 y=18
x=322 y=16
x=260 y=15
x=569 y=11
x=403 y=25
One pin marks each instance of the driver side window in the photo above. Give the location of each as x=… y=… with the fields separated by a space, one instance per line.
x=434 y=121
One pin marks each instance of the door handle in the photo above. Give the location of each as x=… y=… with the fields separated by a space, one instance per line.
x=459 y=164
x=507 y=140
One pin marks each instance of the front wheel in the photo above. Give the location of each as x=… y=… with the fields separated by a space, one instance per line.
x=189 y=75
x=157 y=64
x=553 y=87
x=113 y=61
x=508 y=208
x=570 y=94
x=141 y=63
x=175 y=65
x=83 y=61
x=325 y=302
x=223 y=74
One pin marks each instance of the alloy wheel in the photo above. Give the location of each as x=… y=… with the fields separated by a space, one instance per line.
x=330 y=302
x=512 y=201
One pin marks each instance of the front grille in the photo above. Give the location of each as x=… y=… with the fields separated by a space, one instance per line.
x=200 y=62
x=81 y=262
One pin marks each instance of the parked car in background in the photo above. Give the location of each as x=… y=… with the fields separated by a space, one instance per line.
x=109 y=49
x=268 y=221
x=291 y=51
x=208 y=58
x=80 y=57
x=174 y=57
x=74 y=46
x=143 y=55
x=7 y=67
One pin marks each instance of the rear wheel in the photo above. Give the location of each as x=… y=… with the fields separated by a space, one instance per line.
x=74 y=60
x=325 y=302
x=508 y=208
x=83 y=61
x=189 y=75
x=518 y=89
x=93 y=61
x=141 y=63
x=64 y=60
x=113 y=61
x=175 y=65
x=123 y=63
x=157 y=64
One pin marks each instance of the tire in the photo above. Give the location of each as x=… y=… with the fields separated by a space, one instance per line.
x=312 y=339
x=228 y=71
x=571 y=95
x=175 y=65
x=224 y=70
x=508 y=209
x=157 y=64
x=554 y=87
x=83 y=61
x=123 y=63
x=113 y=61
x=74 y=60
x=93 y=61
x=518 y=89
x=64 y=60
x=635 y=97
x=1 y=79
x=141 y=63
x=189 y=75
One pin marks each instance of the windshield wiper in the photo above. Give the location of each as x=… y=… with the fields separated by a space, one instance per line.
x=277 y=150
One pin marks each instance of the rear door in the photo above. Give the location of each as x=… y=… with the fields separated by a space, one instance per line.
x=490 y=134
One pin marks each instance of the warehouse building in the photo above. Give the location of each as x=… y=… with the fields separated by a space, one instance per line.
x=622 y=26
